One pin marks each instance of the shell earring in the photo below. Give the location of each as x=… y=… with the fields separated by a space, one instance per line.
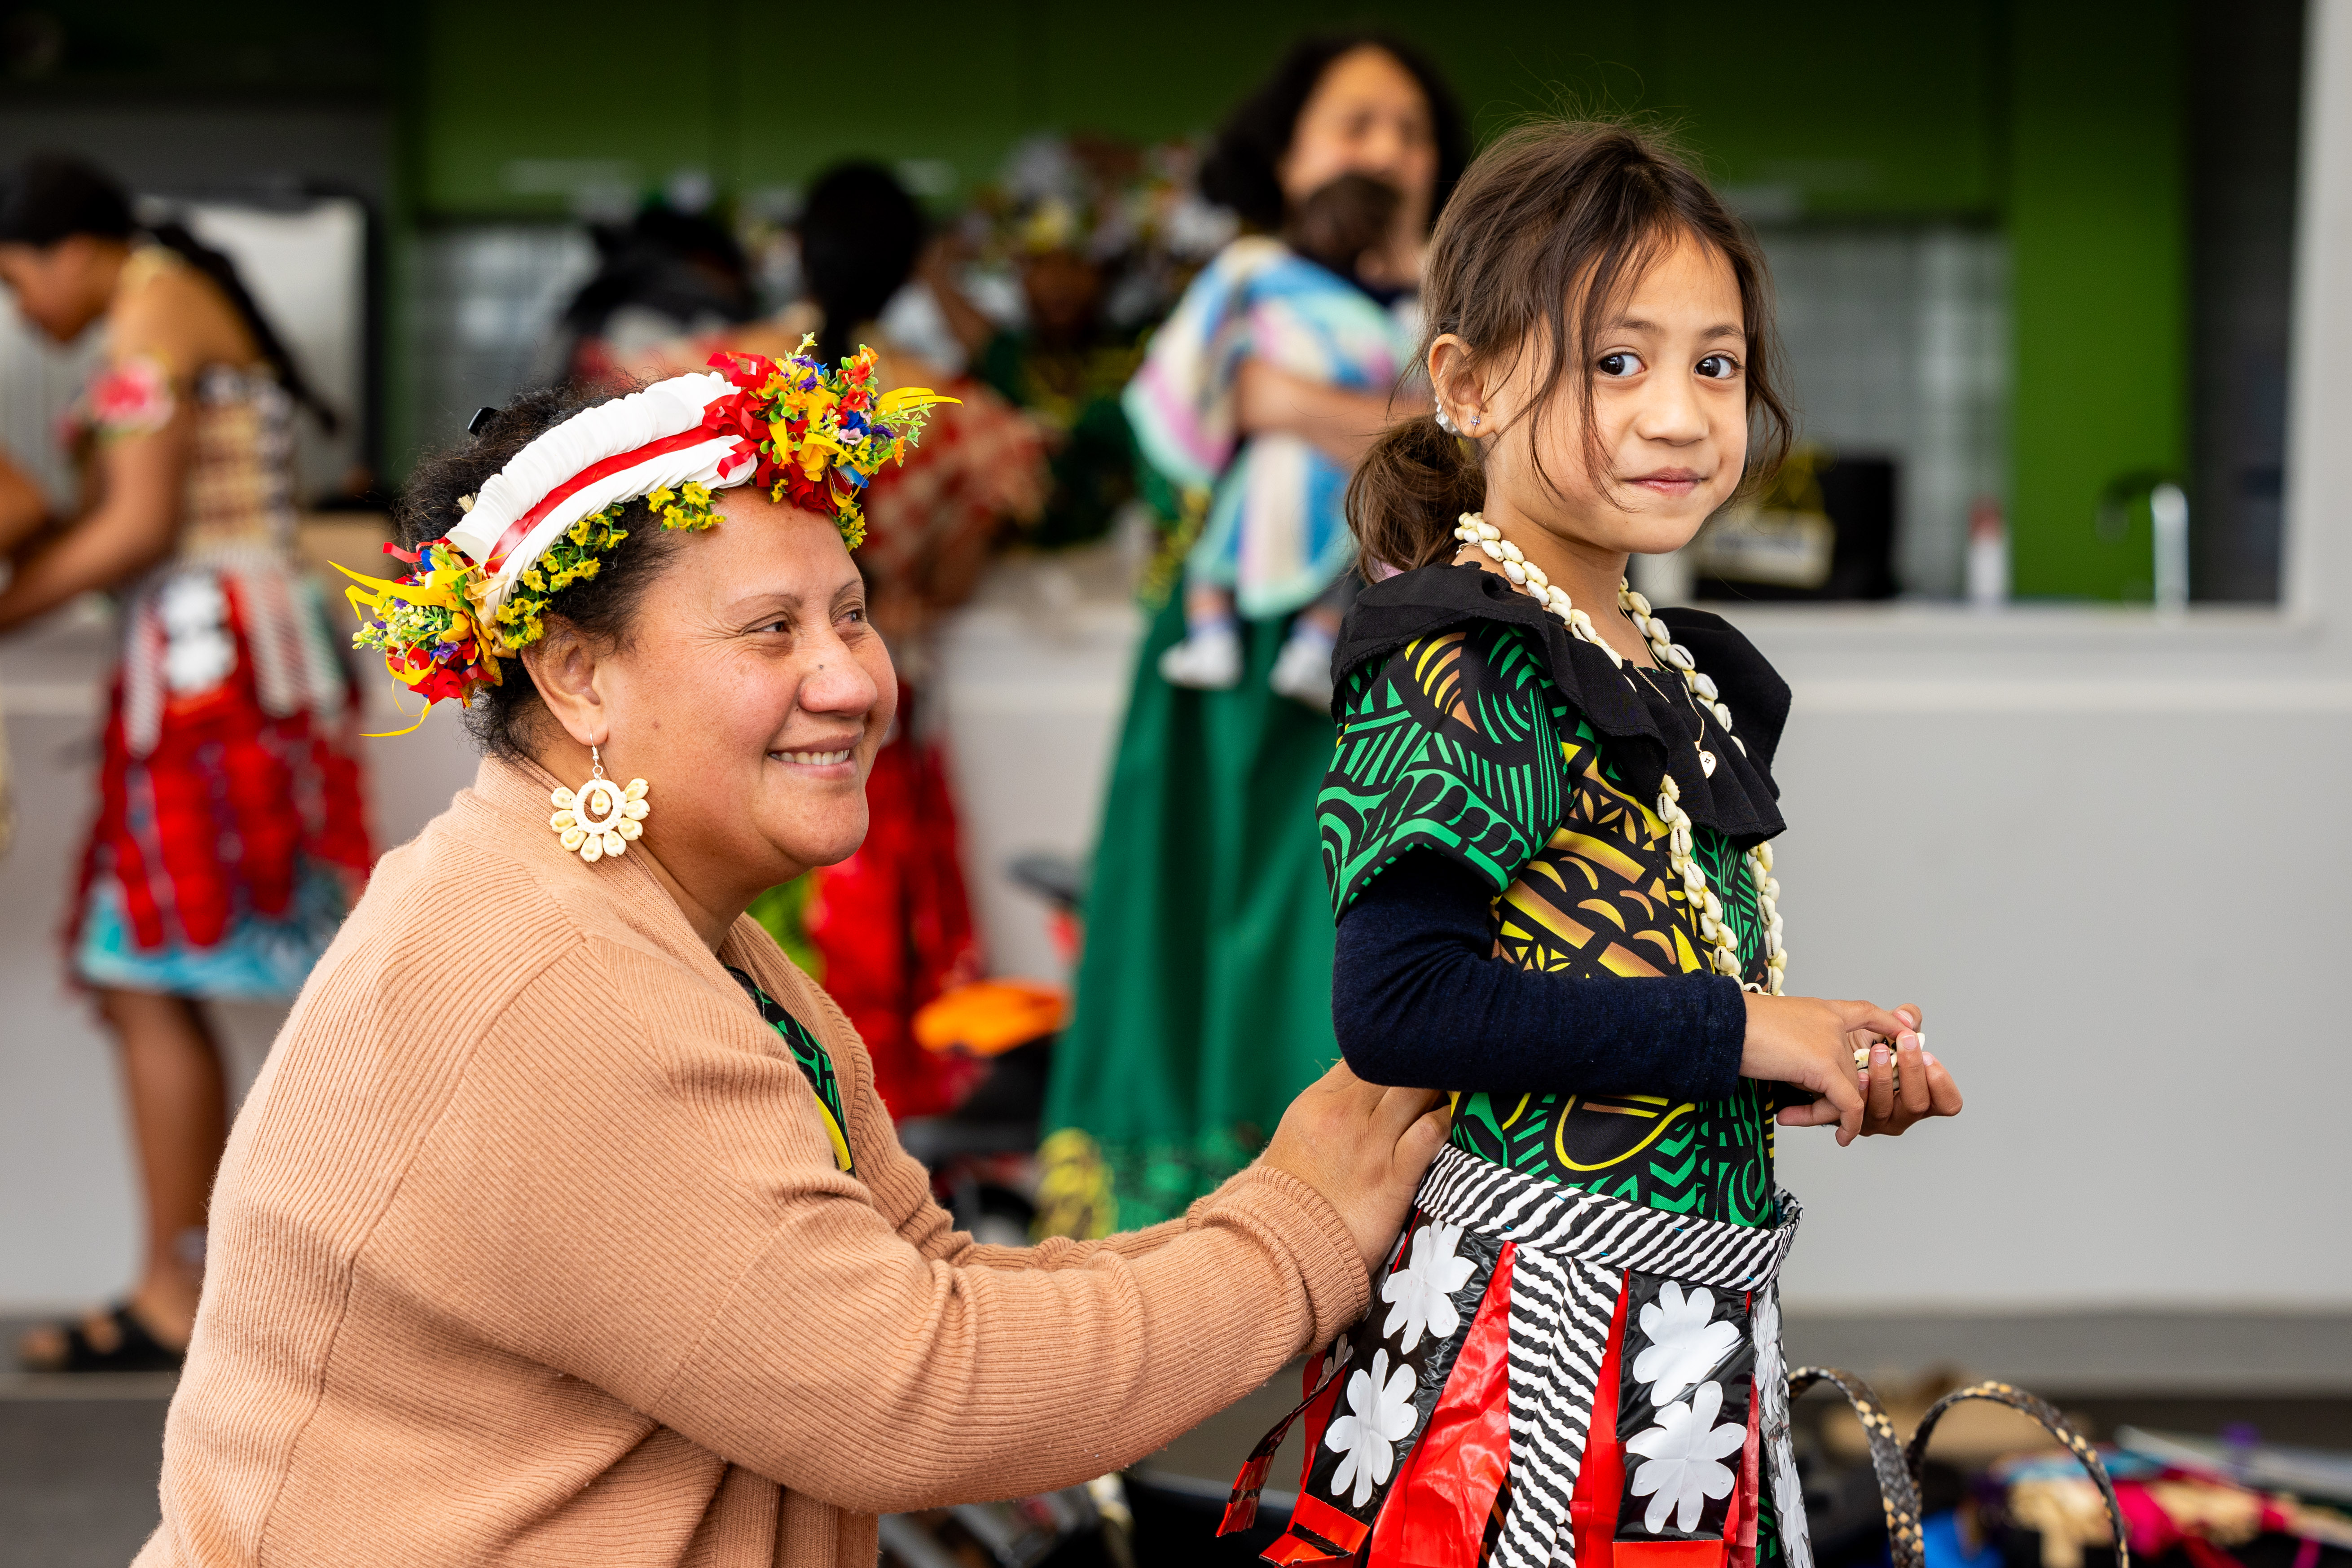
x=600 y=817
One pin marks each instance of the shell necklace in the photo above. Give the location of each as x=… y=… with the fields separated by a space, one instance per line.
x=1475 y=532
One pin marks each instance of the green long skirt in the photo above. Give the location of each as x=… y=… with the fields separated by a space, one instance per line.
x=1204 y=987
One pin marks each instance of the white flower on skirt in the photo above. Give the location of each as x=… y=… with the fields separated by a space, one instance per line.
x=1379 y=1416
x=1686 y=1342
x=1420 y=1294
x=1681 y=1455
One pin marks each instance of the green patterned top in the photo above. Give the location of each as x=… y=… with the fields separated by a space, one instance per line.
x=814 y=1060
x=1461 y=744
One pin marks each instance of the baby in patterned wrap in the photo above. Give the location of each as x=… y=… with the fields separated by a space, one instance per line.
x=1275 y=541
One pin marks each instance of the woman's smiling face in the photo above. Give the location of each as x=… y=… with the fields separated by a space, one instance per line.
x=1366 y=116
x=751 y=695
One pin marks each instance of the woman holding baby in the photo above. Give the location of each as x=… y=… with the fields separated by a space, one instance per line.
x=1201 y=1007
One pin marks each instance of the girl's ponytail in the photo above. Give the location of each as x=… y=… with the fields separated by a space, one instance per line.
x=1409 y=490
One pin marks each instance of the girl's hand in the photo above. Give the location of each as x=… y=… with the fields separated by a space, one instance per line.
x=1904 y=1084
x=1806 y=1041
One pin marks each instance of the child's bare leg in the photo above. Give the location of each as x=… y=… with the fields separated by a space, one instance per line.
x=178 y=1093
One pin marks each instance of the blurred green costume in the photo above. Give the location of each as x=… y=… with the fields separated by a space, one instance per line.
x=1204 y=988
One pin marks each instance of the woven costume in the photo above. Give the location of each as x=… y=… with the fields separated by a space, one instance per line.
x=1575 y=1356
x=230 y=832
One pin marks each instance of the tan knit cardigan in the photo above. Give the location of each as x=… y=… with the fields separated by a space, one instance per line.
x=530 y=1248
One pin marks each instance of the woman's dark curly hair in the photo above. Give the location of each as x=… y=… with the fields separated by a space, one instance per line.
x=1239 y=170
x=504 y=719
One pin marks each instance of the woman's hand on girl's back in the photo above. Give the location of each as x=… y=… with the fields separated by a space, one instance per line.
x=1809 y=1042
x=1364 y=1148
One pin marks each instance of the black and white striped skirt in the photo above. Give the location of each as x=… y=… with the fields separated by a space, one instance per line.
x=1549 y=1377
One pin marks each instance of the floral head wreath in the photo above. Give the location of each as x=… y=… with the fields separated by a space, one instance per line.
x=802 y=431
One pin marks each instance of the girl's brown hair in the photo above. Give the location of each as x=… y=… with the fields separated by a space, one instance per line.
x=1548 y=230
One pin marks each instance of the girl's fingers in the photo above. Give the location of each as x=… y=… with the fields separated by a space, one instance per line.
x=1882 y=1082
x=1843 y=1088
x=1916 y=1013
x=1811 y=1113
x=1850 y=1092
x=1869 y=1018
x=1911 y=1077
x=1943 y=1094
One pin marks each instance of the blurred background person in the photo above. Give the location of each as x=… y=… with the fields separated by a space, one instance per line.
x=230 y=836
x=891 y=925
x=669 y=274
x=1201 y=1003
x=1072 y=221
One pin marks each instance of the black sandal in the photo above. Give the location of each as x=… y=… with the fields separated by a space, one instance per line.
x=136 y=1349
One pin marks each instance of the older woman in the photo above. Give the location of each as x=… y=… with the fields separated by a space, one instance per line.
x=565 y=1225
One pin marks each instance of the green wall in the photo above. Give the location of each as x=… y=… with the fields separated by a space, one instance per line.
x=2097 y=217
x=2063 y=121
x=1850 y=110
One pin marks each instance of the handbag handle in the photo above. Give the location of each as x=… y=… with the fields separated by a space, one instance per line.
x=1916 y=1457
x=1898 y=1493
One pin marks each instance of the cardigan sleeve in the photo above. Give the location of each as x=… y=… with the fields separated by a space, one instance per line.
x=899 y=1183
x=651 y=1205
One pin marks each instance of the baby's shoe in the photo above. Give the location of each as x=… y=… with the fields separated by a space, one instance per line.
x=1302 y=669
x=1207 y=659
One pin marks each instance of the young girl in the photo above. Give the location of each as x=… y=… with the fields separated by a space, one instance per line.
x=1547 y=829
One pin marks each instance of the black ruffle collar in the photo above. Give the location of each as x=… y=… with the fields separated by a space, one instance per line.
x=1651 y=726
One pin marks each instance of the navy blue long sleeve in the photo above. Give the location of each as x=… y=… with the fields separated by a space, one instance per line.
x=1420 y=1002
